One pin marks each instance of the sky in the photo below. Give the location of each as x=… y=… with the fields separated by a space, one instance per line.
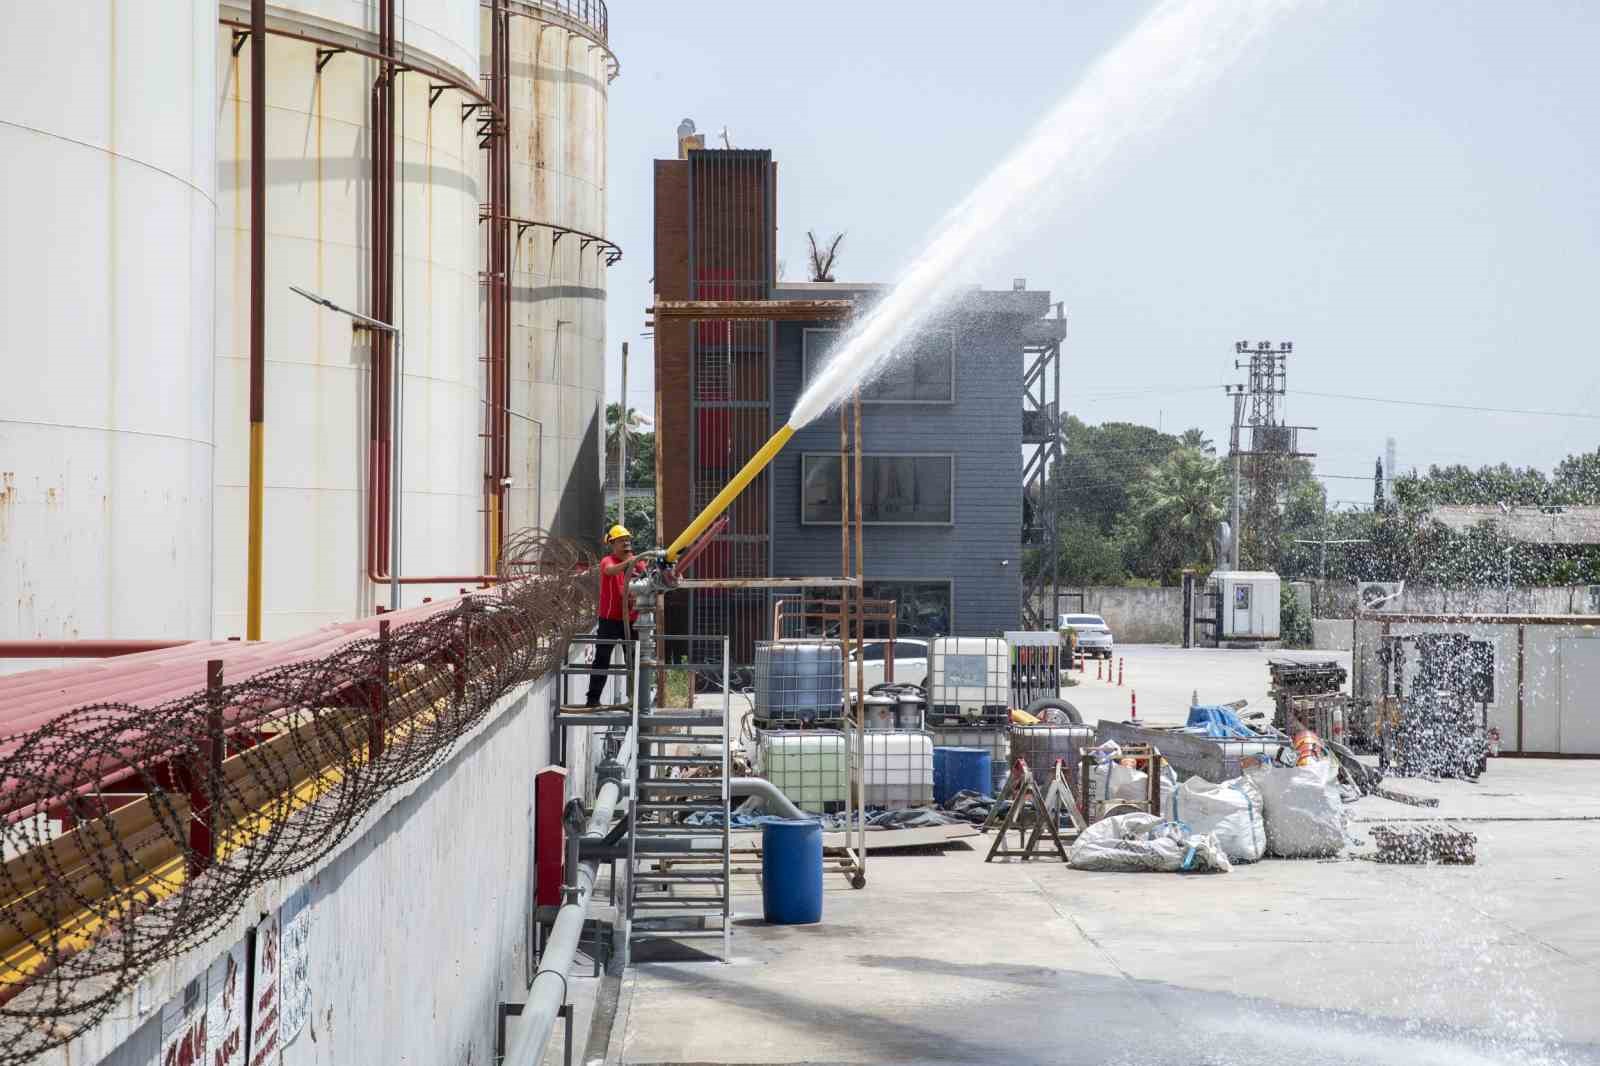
x=1407 y=192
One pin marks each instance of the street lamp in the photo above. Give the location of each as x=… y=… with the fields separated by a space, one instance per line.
x=397 y=412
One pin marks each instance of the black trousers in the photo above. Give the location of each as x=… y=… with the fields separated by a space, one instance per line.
x=607 y=629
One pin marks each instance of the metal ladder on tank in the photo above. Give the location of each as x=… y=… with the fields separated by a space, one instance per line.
x=679 y=876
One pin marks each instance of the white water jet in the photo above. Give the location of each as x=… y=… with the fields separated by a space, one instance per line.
x=1175 y=54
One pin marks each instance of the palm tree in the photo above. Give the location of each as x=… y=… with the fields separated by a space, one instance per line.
x=1196 y=438
x=1180 y=502
x=636 y=424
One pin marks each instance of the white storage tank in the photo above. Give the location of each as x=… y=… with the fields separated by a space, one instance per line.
x=799 y=681
x=561 y=69
x=811 y=767
x=896 y=769
x=969 y=681
x=107 y=204
x=319 y=138
x=1249 y=603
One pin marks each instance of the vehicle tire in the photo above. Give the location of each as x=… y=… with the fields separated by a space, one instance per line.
x=1050 y=702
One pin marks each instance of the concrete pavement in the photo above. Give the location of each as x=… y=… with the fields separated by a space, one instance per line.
x=946 y=959
x=1165 y=677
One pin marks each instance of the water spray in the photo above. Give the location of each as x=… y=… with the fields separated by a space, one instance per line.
x=1175 y=53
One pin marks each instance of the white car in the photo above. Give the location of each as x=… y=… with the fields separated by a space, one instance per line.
x=910 y=661
x=1094 y=636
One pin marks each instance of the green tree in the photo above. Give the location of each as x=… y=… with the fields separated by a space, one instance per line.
x=1576 y=479
x=1195 y=437
x=1177 y=505
x=641 y=446
x=1087 y=556
x=641 y=521
x=1097 y=465
x=1294 y=625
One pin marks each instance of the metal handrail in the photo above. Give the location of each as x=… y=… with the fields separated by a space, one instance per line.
x=590 y=14
x=727 y=809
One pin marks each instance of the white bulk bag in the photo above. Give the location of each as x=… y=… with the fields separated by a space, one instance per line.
x=1140 y=842
x=1230 y=811
x=1110 y=783
x=1304 y=813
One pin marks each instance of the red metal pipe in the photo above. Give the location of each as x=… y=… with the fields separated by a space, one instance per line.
x=380 y=381
x=81 y=649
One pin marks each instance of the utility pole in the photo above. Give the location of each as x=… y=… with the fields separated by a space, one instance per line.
x=622 y=444
x=1237 y=392
x=1273 y=444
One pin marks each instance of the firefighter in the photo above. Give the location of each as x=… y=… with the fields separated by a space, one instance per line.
x=616 y=613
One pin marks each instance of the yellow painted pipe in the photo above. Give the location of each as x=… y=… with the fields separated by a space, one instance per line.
x=757 y=463
x=494 y=533
x=252 y=610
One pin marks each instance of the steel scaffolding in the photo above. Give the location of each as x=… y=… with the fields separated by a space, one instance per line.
x=1041 y=439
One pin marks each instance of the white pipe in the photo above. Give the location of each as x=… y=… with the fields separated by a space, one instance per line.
x=539 y=1013
x=774 y=798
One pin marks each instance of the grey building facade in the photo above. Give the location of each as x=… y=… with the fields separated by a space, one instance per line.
x=942 y=480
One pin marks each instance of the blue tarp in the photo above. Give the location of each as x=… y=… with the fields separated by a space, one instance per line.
x=1218 y=722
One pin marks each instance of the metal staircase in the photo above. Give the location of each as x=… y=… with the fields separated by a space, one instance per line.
x=678 y=874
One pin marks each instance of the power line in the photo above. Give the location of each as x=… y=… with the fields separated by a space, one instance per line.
x=1453 y=406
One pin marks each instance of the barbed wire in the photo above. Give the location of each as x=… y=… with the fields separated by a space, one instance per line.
x=175 y=813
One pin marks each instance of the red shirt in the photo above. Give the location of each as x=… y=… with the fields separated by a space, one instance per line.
x=614 y=589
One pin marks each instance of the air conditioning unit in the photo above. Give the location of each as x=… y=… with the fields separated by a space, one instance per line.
x=1380 y=596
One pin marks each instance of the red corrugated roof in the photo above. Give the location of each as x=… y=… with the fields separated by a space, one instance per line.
x=34 y=697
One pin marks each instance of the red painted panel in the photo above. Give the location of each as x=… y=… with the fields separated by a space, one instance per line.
x=549 y=838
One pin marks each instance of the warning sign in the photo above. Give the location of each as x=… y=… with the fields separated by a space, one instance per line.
x=264 y=1008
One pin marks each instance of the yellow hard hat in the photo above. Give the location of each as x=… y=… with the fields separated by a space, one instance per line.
x=617 y=532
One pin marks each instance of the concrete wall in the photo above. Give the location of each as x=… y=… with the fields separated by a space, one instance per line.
x=1331 y=634
x=419 y=923
x=1135 y=615
x=980 y=553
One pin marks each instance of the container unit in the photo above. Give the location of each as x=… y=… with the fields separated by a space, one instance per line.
x=108 y=135
x=969 y=681
x=812 y=768
x=896 y=769
x=958 y=770
x=995 y=740
x=1040 y=746
x=1247 y=604
x=560 y=73
x=318 y=449
x=798 y=681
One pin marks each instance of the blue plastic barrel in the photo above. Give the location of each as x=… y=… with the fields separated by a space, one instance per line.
x=791 y=871
x=955 y=769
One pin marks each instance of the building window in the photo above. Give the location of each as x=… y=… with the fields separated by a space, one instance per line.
x=923 y=609
x=896 y=490
x=924 y=372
